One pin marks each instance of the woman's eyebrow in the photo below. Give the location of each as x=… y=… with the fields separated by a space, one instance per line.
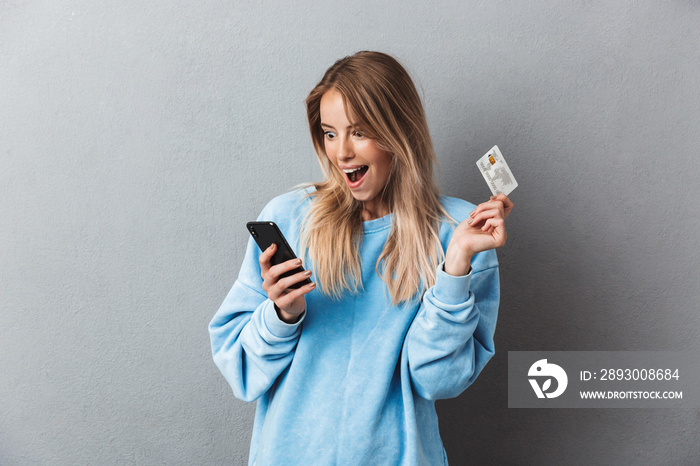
x=331 y=127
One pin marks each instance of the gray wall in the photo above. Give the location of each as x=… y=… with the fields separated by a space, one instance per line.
x=137 y=139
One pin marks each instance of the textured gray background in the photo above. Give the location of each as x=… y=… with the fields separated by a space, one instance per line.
x=136 y=139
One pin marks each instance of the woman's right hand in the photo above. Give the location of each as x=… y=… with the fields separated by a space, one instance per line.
x=289 y=302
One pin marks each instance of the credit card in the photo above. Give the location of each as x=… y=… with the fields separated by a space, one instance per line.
x=494 y=169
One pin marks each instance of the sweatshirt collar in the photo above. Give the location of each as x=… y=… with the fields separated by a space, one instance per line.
x=378 y=224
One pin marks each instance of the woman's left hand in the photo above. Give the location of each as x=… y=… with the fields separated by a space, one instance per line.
x=484 y=229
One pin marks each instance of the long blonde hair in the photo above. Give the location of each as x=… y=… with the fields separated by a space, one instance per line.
x=380 y=98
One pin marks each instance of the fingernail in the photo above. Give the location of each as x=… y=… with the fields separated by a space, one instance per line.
x=297 y=262
x=471 y=214
x=470 y=221
x=307 y=273
x=312 y=285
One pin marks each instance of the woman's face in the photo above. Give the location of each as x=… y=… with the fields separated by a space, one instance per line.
x=365 y=166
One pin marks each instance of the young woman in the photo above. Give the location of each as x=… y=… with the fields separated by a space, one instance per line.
x=347 y=372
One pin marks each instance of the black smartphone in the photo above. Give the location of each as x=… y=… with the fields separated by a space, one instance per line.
x=266 y=233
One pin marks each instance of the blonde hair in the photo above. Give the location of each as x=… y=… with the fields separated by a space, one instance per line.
x=380 y=98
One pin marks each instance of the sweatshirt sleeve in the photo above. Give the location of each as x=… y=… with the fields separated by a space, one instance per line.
x=451 y=338
x=250 y=345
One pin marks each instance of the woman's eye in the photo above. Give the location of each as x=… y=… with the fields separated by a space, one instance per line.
x=358 y=134
x=329 y=134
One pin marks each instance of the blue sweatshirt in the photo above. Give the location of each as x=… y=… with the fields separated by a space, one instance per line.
x=355 y=381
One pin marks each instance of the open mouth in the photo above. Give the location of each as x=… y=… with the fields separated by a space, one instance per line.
x=356 y=174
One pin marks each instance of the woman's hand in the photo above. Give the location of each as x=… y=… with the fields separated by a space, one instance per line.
x=289 y=302
x=484 y=229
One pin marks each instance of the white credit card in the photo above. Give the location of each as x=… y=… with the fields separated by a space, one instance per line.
x=494 y=169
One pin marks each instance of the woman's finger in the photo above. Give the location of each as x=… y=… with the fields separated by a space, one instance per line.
x=497 y=229
x=488 y=205
x=507 y=203
x=277 y=270
x=286 y=282
x=483 y=215
x=286 y=300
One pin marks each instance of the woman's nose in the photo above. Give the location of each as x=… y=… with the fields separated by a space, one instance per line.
x=345 y=151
